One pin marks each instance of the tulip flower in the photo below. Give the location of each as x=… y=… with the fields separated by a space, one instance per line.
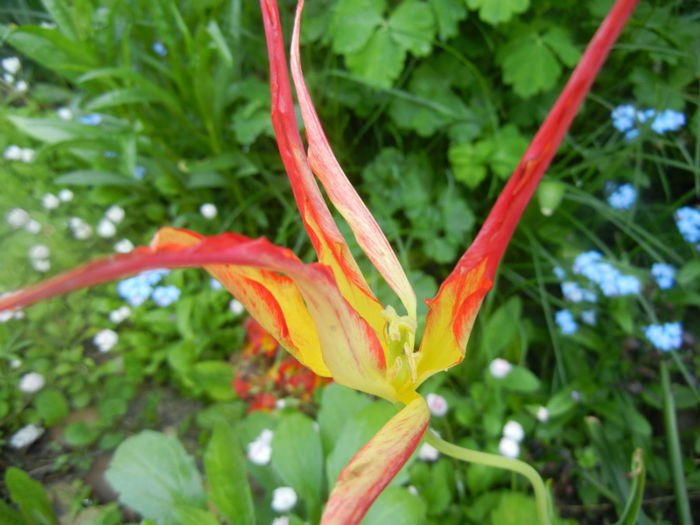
x=324 y=313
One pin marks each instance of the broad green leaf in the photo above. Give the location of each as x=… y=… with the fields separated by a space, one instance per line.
x=153 y=473
x=530 y=67
x=448 y=14
x=520 y=379
x=338 y=403
x=227 y=477
x=10 y=515
x=688 y=273
x=120 y=97
x=353 y=23
x=80 y=434
x=31 y=498
x=498 y=11
x=51 y=406
x=396 y=505
x=560 y=42
x=357 y=431
x=501 y=328
x=188 y=515
x=380 y=61
x=51 y=130
x=413 y=27
x=514 y=508
x=215 y=378
x=60 y=15
x=298 y=458
x=508 y=147
x=94 y=178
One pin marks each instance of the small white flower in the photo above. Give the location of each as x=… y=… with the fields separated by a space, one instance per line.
x=15 y=363
x=33 y=226
x=64 y=113
x=266 y=436
x=17 y=217
x=509 y=448
x=47 y=25
x=427 y=452
x=236 y=307
x=27 y=155
x=65 y=195
x=412 y=490
x=21 y=86
x=123 y=246
x=115 y=214
x=12 y=152
x=283 y=499
x=106 y=228
x=542 y=414
x=50 y=201
x=31 y=382
x=208 y=210
x=25 y=436
x=120 y=314
x=259 y=452
x=500 y=368
x=81 y=230
x=437 y=404
x=6 y=315
x=280 y=404
x=39 y=251
x=41 y=265
x=8 y=77
x=280 y=520
x=11 y=64
x=514 y=431
x=105 y=340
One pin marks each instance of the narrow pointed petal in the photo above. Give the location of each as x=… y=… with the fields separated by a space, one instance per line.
x=349 y=347
x=327 y=240
x=341 y=193
x=454 y=308
x=376 y=464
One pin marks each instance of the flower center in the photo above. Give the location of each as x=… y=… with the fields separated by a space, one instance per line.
x=400 y=357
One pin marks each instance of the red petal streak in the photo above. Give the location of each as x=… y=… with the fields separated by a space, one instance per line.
x=325 y=236
x=344 y=197
x=490 y=244
x=376 y=464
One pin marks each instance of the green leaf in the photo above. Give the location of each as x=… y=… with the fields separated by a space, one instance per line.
x=530 y=67
x=51 y=406
x=80 y=434
x=396 y=505
x=520 y=379
x=120 y=97
x=448 y=14
x=31 y=498
x=338 y=403
x=298 y=458
x=51 y=130
x=94 y=178
x=215 y=378
x=468 y=162
x=550 y=193
x=498 y=11
x=413 y=27
x=153 y=473
x=688 y=273
x=10 y=515
x=380 y=61
x=227 y=477
x=560 y=42
x=353 y=23
x=507 y=148
x=188 y=515
x=514 y=508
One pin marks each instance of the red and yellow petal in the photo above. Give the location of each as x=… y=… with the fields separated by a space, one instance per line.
x=341 y=193
x=447 y=332
x=327 y=240
x=376 y=464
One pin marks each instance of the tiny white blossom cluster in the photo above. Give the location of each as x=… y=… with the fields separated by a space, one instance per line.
x=436 y=404
x=236 y=307
x=120 y=314
x=81 y=229
x=513 y=434
x=500 y=368
x=208 y=210
x=283 y=499
x=25 y=436
x=39 y=257
x=11 y=66
x=105 y=340
x=31 y=382
x=15 y=152
x=107 y=227
x=7 y=315
x=260 y=449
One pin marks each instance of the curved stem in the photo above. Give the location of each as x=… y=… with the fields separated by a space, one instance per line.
x=494 y=460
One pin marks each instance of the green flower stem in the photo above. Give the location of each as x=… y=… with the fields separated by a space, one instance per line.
x=674 y=448
x=494 y=460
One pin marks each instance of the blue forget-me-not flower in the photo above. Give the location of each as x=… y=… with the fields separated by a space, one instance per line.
x=666 y=337
x=166 y=295
x=688 y=223
x=622 y=197
x=663 y=274
x=566 y=322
